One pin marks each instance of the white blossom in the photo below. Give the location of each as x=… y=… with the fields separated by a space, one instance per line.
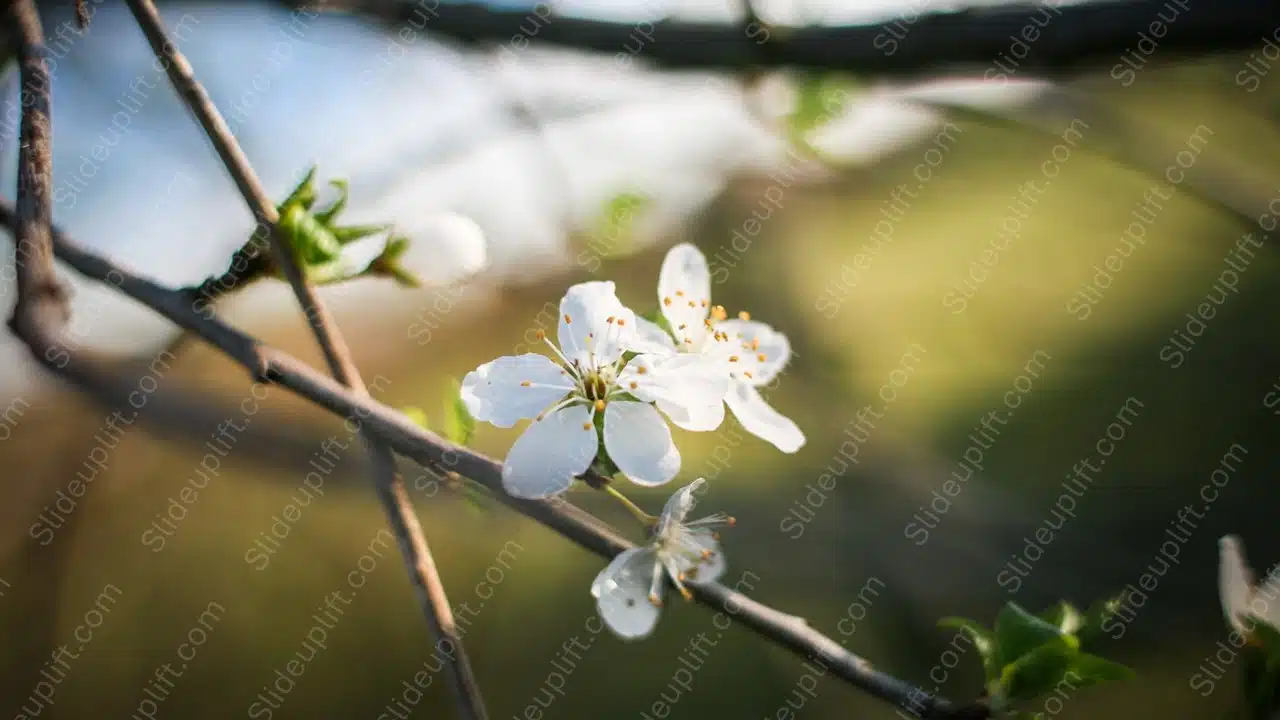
x=629 y=591
x=750 y=353
x=592 y=377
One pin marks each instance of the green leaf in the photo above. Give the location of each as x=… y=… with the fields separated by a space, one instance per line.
x=329 y=214
x=1065 y=617
x=417 y=415
x=615 y=231
x=459 y=426
x=1086 y=669
x=312 y=242
x=388 y=263
x=1018 y=633
x=981 y=638
x=304 y=195
x=351 y=233
x=1037 y=671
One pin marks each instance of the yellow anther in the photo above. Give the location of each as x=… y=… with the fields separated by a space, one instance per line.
x=733 y=358
x=655 y=600
x=586 y=426
x=666 y=301
x=755 y=343
x=693 y=304
x=706 y=554
x=525 y=383
x=718 y=312
x=744 y=315
x=708 y=323
x=685 y=592
x=681 y=577
x=568 y=320
x=642 y=370
x=609 y=319
x=541 y=335
x=688 y=341
x=633 y=385
x=621 y=322
x=747 y=373
x=679 y=293
x=732 y=521
x=761 y=357
x=599 y=405
x=704 y=303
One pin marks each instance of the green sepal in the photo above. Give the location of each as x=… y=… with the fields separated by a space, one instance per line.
x=459 y=425
x=329 y=214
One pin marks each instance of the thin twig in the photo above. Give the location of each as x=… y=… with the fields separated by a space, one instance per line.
x=430 y=450
x=404 y=523
x=1067 y=38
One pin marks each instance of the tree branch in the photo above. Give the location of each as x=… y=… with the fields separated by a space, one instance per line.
x=399 y=510
x=41 y=309
x=1094 y=34
x=429 y=450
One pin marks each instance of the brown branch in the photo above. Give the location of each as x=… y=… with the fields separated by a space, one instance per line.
x=429 y=450
x=1068 y=37
x=399 y=510
x=41 y=309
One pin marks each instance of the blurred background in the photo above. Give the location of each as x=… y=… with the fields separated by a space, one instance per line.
x=937 y=250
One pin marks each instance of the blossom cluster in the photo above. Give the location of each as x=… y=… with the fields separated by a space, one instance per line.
x=601 y=401
x=601 y=395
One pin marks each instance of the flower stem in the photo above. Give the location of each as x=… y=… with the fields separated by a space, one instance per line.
x=645 y=518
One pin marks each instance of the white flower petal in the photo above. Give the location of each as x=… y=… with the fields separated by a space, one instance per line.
x=761 y=420
x=703 y=418
x=621 y=591
x=1235 y=582
x=679 y=505
x=493 y=392
x=639 y=442
x=650 y=338
x=586 y=334
x=774 y=346
x=686 y=384
x=684 y=292
x=550 y=453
